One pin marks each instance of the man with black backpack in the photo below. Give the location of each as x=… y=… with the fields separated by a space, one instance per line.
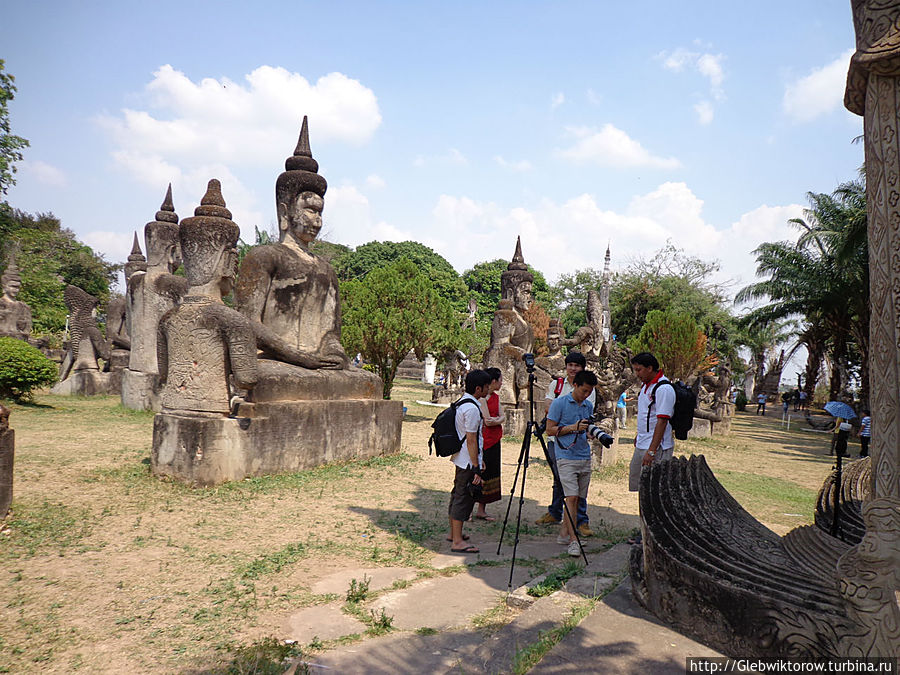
x=468 y=460
x=656 y=406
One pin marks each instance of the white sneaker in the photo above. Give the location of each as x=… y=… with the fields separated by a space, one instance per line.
x=564 y=541
x=574 y=549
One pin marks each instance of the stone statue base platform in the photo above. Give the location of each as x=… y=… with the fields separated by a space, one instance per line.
x=517 y=420
x=283 y=382
x=140 y=391
x=272 y=437
x=446 y=396
x=7 y=458
x=88 y=383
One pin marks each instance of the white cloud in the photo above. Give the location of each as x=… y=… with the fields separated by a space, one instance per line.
x=375 y=182
x=818 y=93
x=348 y=219
x=710 y=66
x=255 y=123
x=557 y=100
x=521 y=165
x=451 y=157
x=670 y=212
x=704 y=112
x=613 y=147
x=45 y=174
x=707 y=64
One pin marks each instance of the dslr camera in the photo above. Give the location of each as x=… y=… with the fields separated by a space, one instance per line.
x=596 y=432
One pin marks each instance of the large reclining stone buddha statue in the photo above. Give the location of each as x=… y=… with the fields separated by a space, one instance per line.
x=290 y=295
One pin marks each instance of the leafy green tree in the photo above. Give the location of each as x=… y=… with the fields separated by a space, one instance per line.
x=360 y=262
x=673 y=281
x=674 y=338
x=822 y=279
x=393 y=310
x=483 y=283
x=11 y=146
x=570 y=296
x=50 y=257
x=330 y=251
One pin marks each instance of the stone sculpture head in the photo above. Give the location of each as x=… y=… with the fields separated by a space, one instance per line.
x=136 y=260
x=11 y=281
x=554 y=337
x=209 y=243
x=299 y=194
x=162 y=238
x=515 y=282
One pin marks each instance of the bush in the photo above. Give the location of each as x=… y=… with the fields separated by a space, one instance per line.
x=741 y=401
x=23 y=368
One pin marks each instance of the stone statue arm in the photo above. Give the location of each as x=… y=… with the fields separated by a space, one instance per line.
x=241 y=343
x=162 y=349
x=101 y=346
x=251 y=293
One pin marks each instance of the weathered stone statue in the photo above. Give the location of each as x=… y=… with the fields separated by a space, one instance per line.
x=289 y=293
x=511 y=338
x=152 y=290
x=708 y=566
x=79 y=373
x=551 y=366
x=15 y=316
x=308 y=406
x=7 y=458
x=201 y=344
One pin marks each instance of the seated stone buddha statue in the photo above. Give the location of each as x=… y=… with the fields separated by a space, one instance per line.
x=291 y=298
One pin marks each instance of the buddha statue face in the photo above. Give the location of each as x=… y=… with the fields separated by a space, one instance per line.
x=302 y=218
x=522 y=296
x=229 y=268
x=11 y=287
x=163 y=248
x=553 y=342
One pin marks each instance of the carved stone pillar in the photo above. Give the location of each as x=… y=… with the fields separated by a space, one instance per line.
x=870 y=573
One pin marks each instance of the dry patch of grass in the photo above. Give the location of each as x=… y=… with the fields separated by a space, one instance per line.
x=108 y=569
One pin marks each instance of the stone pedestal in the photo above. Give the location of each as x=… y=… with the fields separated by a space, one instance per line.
x=516 y=421
x=701 y=428
x=87 y=383
x=140 y=391
x=273 y=437
x=448 y=396
x=7 y=456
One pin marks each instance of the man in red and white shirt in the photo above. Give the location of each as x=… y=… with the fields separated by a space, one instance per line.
x=656 y=405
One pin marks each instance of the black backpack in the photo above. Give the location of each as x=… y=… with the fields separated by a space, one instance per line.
x=444 y=440
x=685 y=403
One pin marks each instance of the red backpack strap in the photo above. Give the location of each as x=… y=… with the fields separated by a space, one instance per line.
x=560 y=381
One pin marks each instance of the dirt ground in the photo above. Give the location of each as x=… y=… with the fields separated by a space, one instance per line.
x=108 y=569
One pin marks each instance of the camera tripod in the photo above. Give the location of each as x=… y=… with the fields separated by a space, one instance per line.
x=524 y=453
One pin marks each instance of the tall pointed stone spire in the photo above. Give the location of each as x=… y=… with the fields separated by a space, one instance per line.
x=166 y=213
x=136 y=253
x=136 y=260
x=302 y=149
x=518 y=261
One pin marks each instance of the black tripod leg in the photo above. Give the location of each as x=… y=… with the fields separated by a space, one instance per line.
x=512 y=492
x=526 y=445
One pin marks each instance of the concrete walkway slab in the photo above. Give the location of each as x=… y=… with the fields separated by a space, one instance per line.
x=445 y=602
x=621 y=637
x=325 y=622
x=379 y=577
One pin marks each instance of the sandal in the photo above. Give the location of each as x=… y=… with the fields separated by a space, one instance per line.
x=465 y=549
x=490 y=519
x=465 y=538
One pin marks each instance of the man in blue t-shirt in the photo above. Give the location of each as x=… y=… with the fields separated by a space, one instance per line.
x=567 y=421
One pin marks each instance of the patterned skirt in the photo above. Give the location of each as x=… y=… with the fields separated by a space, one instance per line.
x=491 y=475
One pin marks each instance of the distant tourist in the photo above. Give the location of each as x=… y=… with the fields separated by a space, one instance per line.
x=865 y=434
x=622 y=410
x=804 y=400
x=761 y=404
x=656 y=405
x=575 y=363
x=469 y=460
x=567 y=421
x=491 y=433
x=786 y=398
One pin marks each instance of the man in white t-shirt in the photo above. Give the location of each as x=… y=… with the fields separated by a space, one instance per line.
x=575 y=363
x=656 y=405
x=469 y=461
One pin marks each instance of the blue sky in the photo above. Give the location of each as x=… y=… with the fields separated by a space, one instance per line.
x=461 y=125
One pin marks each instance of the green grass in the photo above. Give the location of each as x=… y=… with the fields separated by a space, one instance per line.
x=555 y=579
x=270 y=563
x=527 y=657
x=47 y=525
x=767 y=492
x=263 y=657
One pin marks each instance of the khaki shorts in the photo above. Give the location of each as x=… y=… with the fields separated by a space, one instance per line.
x=574 y=476
x=634 y=471
x=461 y=502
